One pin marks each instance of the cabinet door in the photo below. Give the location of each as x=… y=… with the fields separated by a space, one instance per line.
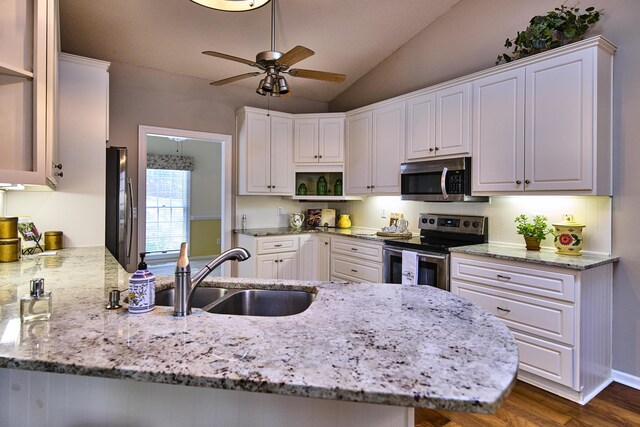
x=258 y=153
x=287 y=266
x=388 y=148
x=559 y=133
x=453 y=116
x=498 y=132
x=307 y=258
x=305 y=141
x=281 y=155
x=323 y=258
x=267 y=266
x=331 y=140
x=421 y=126
x=358 y=167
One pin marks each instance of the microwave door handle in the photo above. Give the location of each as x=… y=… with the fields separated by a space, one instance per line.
x=443 y=183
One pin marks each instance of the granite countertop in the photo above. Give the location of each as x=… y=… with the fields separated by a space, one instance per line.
x=543 y=257
x=355 y=232
x=377 y=343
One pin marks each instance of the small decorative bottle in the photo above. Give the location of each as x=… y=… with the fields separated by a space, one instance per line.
x=243 y=222
x=321 y=187
x=37 y=305
x=142 y=289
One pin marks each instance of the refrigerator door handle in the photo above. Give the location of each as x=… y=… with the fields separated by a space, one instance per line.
x=130 y=222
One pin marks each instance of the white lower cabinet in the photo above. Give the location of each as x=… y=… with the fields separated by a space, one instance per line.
x=274 y=257
x=323 y=258
x=560 y=319
x=356 y=260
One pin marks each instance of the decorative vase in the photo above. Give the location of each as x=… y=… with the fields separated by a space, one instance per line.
x=322 y=186
x=302 y=189
x=337 y=188
x=532 y=243
x=568 y=237
x=344 y=221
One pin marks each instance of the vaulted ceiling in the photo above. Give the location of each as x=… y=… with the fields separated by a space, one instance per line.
x=348 y=36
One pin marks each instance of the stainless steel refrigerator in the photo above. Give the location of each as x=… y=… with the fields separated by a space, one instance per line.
x=119 y=206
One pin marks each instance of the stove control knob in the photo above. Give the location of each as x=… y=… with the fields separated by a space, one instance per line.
x=424 y=220
x=475 y=224
x=466 y=224
x=432 y=221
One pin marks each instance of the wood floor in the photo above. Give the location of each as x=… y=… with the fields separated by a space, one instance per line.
x=617 y=405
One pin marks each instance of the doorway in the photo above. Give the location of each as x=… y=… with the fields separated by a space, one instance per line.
x=184 y=194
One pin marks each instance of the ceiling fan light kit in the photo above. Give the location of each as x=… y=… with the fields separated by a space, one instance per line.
x=232 y=5
x=273 y=63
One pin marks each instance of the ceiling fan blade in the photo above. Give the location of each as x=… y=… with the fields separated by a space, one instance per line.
x=229 y=57
x=296 y=54
x=234 y=79
x=318 y=75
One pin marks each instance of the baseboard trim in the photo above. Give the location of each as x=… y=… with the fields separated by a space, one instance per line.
x=626 y=379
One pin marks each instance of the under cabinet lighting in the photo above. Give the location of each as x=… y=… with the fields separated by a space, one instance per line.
x=232 y=5
x=7 y=186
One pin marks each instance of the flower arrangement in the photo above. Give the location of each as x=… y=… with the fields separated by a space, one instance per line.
x=559 y=27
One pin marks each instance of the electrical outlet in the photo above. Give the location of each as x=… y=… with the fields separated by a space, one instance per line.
x=280 y=210
x=217 y=241
x=383 y=214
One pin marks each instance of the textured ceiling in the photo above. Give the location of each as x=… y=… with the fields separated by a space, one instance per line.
x=348 y=36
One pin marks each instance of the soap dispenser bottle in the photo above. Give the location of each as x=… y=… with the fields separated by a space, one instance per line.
x=142 y=291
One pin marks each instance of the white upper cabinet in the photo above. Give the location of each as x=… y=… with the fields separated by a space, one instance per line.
x=438 y=123
x=265 y=152
x=319 y=139
x=375 y=149
x=545 y=126
x=28 y=61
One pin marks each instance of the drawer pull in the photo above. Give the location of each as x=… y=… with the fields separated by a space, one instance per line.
x=354 y=249
x=506 y=310
x=500 y=276
x=354 y=271
x=280 y=245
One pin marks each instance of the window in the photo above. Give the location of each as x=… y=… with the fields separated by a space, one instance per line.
x=167 y=209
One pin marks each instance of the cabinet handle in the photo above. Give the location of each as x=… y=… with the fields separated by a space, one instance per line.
x=526 y=181
x=500 y=276
x=278 y=245
x=354 y=249
x=506 y=310
x=518 y=182
x=354 y=271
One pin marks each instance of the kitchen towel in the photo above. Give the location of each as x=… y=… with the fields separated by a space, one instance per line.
x=409 y=268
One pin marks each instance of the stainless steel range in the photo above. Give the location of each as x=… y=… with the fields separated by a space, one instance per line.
x=438 y=233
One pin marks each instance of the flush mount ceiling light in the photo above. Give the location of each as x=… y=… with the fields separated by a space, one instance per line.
x=274 y=64
x=232 y=5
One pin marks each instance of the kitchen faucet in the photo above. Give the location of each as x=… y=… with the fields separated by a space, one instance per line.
x=183 y=280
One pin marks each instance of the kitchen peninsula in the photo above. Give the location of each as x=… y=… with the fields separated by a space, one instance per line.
x=361 y=354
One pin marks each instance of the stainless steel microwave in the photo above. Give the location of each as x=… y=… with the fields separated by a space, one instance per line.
x=446 y=180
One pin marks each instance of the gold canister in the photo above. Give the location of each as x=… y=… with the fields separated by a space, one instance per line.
x=9 y=227
x=52 y=240
x=9 y=250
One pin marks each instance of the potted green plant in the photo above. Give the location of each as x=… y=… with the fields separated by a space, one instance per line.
x=559 y=27
x=534 y=231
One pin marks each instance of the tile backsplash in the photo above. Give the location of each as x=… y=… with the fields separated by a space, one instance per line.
x=595 y=212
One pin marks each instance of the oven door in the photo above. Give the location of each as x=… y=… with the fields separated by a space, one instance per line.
x=433 y=268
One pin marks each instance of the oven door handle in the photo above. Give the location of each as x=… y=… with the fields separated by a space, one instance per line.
x=443 y=183
x=420 y=255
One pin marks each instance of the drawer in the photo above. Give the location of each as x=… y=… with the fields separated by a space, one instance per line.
x=547 y=319
x=533 y=281
x=546 y=359
x=356 y=270
x=271 y=245
x=357 y=249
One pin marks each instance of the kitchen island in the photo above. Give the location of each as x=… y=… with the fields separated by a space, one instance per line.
x=359 y=355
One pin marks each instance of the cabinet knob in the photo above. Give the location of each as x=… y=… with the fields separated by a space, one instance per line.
x=526 y=181
x=518 y=182
x=315 y=157
x=320 y=156
x=430 y=149
x=373 y=186
x=60 y=174
x=58 y=166
x=437 y=148
x=368 y=186
x=326 y=243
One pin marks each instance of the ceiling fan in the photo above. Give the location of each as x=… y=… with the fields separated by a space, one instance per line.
x=275 y=64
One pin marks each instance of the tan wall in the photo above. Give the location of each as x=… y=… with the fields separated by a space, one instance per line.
x=141 y=96
x=467 y=39
x=204 y=236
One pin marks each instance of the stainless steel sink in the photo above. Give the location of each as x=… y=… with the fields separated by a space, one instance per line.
x=262 y=302
x=201 y=296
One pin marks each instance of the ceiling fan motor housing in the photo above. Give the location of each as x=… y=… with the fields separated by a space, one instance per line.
x=268 y=58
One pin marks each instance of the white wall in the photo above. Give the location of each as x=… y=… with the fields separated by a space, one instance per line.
x=2 y=202
x=262 y=211
x=77 y=207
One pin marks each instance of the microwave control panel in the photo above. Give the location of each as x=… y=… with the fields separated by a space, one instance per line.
x=455 y=182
